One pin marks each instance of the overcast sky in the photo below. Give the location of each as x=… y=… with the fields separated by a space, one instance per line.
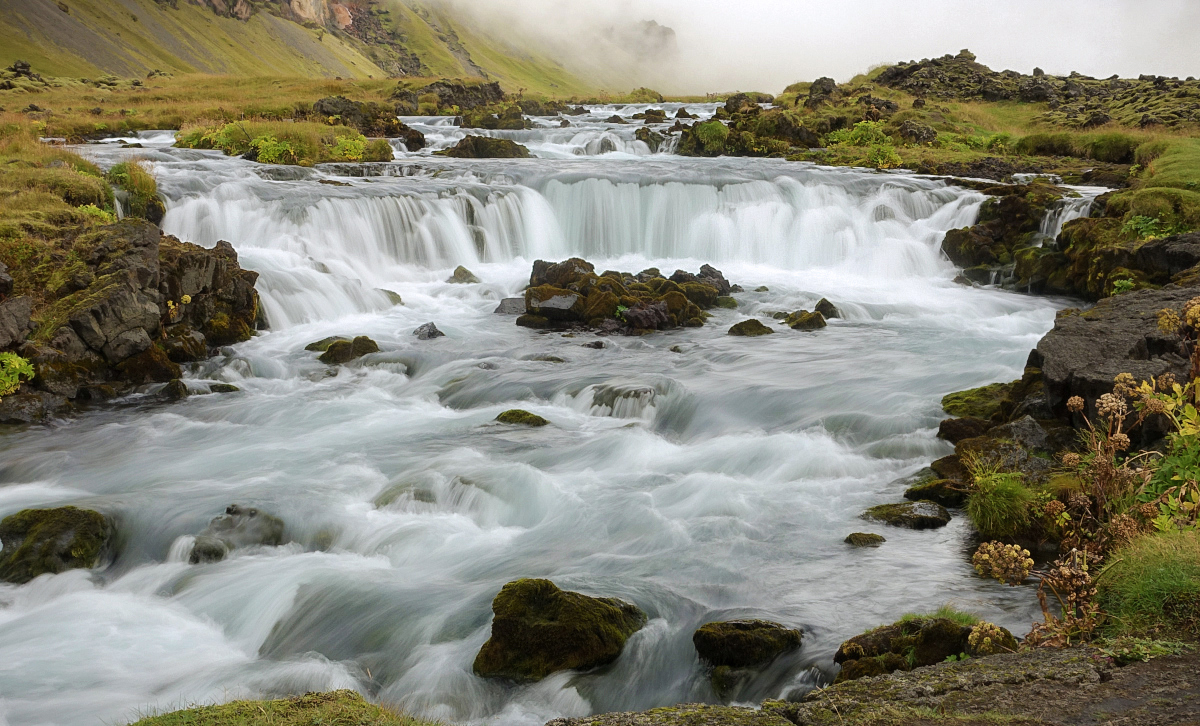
x=766 y=44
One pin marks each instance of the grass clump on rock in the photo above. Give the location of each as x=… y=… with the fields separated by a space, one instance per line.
x=540 y=629
x=40 y=541
x=343 y=708
x=521 y=417
x=141 y=190
x=998 y=505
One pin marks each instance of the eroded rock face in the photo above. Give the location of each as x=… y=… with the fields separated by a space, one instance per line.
x=237 y=527
x=137 y=304
x=744 y=643
x=539 y=629
x=40 y=541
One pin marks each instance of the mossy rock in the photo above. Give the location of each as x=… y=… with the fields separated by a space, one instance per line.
x=864 y=539
x=804 y=320
x=484 y=147
x=725 y=301
x=343 y=351
x=750 y=328
x=744 y=643
x=40 y=541
x=983 y=402
x=912 y=515
x=539 y=629
x=945 y=492
x=521 y=417
x=827 y=309
x=463 y=276
x=762 y=288
x=323 y=344
x=904 y=645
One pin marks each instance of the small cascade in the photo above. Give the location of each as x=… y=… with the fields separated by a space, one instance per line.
x=1067 y=209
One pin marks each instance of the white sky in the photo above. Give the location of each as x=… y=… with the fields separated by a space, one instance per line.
x=766 y=44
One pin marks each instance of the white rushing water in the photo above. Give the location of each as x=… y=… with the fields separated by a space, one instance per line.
x=710 y=483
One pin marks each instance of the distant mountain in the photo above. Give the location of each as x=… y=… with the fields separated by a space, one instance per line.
x=306 y=38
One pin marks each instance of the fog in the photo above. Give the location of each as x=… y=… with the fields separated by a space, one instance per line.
x=766 y=44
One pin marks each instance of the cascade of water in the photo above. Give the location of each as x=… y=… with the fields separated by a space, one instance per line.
x=1067 y=209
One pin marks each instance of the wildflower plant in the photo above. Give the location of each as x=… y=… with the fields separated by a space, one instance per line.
x=12 y=369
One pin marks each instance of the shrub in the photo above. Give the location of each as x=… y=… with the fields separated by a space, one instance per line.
x=1112 y=148
x=863 y=133
x=712 y=134
x=379 y=150
x=883 y=156
x=349 y=149
x=1154 y=583
x=999 y=504
x=92 y=212
x=12 y=369
x=270 y=150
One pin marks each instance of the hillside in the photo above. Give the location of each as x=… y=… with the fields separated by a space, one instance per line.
x=290 y=38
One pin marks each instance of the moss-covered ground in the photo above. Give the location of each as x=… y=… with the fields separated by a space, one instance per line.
x=336 y=708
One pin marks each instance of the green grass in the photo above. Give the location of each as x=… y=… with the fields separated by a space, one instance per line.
x=947 y=612
x=998 y=505
x=1152 y=586
x=336 y=708
x=273 y=142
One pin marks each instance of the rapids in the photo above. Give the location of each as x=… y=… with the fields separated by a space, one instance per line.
x=710 y=483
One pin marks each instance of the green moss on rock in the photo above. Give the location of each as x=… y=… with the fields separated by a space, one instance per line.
x=40 y=541
x=334 y=708
x=945 y=492
x=744 y=643
x=521 y=417
x=750 y=328
x=539 y=629
x=912 y=515
x=864 y=539
x=983 y=402
x=804 y=320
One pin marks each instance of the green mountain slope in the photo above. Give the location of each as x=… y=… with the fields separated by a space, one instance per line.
x=291 y=38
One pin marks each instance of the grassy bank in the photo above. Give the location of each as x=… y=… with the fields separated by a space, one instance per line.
x=340 y=708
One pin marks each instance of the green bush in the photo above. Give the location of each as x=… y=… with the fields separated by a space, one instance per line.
x=883 y=156
x=12 y=369
x=863 y=133
x=712 y=134
x=999 y=504
x=379 y=150
x=1153 y=584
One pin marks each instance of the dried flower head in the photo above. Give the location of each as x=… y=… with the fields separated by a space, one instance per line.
x=1120 y=441
x=1111 y=406
x=1079 y=501
x=1155 y=405
x=1006 y=563
x=1124 y=528
x=1191 y=312
x=1165 y=382
x=1054 y=508
x=1072 y=459
x=987 y=639
x=1147 y=511
x=1125 y=385
x=1168 y=321
x=1075 y=404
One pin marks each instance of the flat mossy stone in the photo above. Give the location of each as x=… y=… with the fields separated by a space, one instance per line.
x=40 y=541
x=725 y=301
x=539 y=629
x=945 y=492
x=864 y=539
x=521 y=417
x=323 y=344
x=913 y=515
x=750 y=328
x=983 y=402
x=744 y=643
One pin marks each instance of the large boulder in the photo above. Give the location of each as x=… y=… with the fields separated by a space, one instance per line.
x=539 y=629
x=41 y=541
x=485 y=147
x=744 y=643
x=750 y=328
x=237 y=527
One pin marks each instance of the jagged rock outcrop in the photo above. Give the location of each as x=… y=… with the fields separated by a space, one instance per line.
x=450 y=93
x=134 y=305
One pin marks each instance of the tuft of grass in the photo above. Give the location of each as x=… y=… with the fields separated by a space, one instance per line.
x=275 y=142
x=998 y=505
x=335 y=708
x=946 y=612
x=1152 y=586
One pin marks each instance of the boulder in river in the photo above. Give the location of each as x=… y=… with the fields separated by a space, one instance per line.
x=945 y=492
x=750 y=328
x=510 y=306
x=864 y=539
x=485 y=147
x=539 y=629
x=913 y=515
x=237 y=527
x=344 y=351
x=744 y=643
x=40 y=541
x=827 y=309
x=428 y=331
x=521 y=417
x=957 y=429
x=804 y=320
x=463 y=276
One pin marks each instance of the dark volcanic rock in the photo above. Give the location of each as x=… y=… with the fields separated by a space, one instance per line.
x=957 y=429
x=428 y=331
x=539 y=629
x=484 y=147
x=912 y=515
x=744 y=643
x=907 y=644
x=40 y=541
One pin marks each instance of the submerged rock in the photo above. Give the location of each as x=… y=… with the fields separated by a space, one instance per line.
x=539 y=629
x=237 y=527
x=750 y=328
x=913 y=515
x=864 y=539
x=428 y=331
x=521 y=417
x=462 y=276
x=744 y=643
x=510 y=306
x=40 y=541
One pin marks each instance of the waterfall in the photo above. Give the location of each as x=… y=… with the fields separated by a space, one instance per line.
x=1067 y=209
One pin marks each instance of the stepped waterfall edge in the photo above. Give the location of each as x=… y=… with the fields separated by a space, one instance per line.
x=694 y=474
